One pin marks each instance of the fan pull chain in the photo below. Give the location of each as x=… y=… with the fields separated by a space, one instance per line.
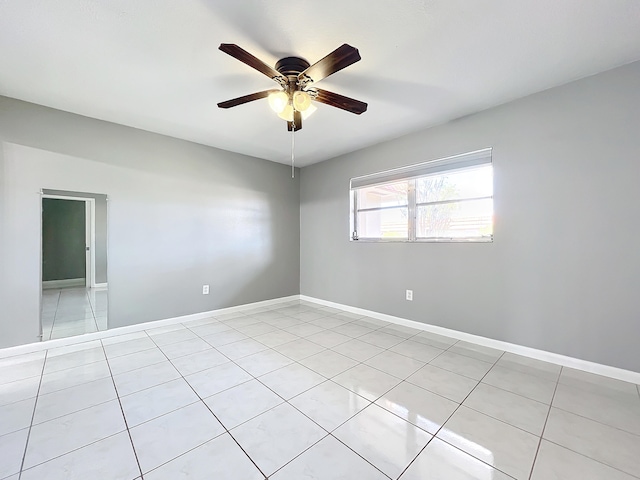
x=293 y=143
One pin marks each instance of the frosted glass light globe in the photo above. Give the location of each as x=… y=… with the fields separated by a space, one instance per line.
x=301 y=101
x=278 y=101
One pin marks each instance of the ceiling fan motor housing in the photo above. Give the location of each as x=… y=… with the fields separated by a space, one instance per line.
x=290 y=66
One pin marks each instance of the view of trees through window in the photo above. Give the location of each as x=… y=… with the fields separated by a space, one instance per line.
x=450 y=205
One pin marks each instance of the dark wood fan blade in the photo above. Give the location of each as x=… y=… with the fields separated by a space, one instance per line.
x=340 y=101
x=245 y=57
x=297 y=117
x=340 y=58
x=247 y=98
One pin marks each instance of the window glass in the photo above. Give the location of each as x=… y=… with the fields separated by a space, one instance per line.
x=469 y=183
x=383 y=224
x=380 y=196
x=472 y=218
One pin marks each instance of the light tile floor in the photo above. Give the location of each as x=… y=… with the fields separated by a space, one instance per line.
x=68 y=312
x=298 y=391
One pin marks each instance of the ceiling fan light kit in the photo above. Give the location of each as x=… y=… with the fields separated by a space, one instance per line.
x=285 y=107
x=296 y=77
x=287 y=113
x=278 y=101
x=301 y=100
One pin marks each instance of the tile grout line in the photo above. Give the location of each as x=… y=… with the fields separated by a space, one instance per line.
x=75 y=411
x=35 y=404
x=55 y=315
x=579 y=453
x=93 y=312
x=330 y=433
x=279 y=329
x=535 y=457
x=573 y=413
x=402 y=340
x=296 y=361
x=275 y=329
x=521 y=373
x=592 y=459
x=330 y=329
x=53 y=325
x=267 y=347
x=598 y=422
x=126 y=423
x=212 y=413
x=73 y=386
x=91 y=443
x=480 y=382
x=284 y=400
x=73 y=450
x=170 y=360
x=449 y=417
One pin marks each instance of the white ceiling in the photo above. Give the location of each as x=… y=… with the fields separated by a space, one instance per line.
x=154 y=64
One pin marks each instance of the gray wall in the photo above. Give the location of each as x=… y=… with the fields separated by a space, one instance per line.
x=101 y=228
x=564 y=270
x=180 y=215
x=63 y=239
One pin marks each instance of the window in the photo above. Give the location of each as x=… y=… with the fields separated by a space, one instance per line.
x=444 y=200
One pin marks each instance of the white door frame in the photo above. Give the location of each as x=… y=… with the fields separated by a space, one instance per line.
x=90 y=235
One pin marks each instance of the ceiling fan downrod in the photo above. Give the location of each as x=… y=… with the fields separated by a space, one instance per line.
x=293 y=144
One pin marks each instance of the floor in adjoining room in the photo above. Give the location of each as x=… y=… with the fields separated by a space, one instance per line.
x=68 y=312
x=300 y=391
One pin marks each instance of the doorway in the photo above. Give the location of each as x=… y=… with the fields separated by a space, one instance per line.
x=67 y=240
x=74 y=287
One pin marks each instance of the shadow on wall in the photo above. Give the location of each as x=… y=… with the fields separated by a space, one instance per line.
x=238 y=241
x=116 y=145
x=189 y=223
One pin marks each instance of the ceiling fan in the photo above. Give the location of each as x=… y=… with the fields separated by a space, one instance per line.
x=293 y=101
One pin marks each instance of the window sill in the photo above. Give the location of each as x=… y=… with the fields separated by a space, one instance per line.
x=424 y=240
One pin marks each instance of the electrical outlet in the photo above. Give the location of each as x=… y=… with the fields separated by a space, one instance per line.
x=410 y=295
x=205 y=289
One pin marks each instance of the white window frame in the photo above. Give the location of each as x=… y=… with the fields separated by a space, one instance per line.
x=410 y=174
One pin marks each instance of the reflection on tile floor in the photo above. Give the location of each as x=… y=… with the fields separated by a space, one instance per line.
x=68 y=312
x=298 y=391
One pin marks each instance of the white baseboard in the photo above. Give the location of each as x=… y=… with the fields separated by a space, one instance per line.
x=114 y=332
x=578 y=364
x=69 y=282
